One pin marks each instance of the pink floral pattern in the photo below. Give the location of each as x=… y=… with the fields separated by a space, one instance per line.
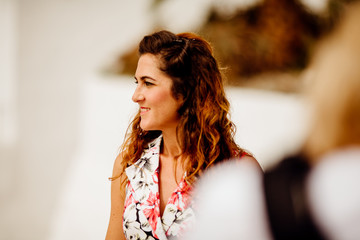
x=180 y=198
x=152 y=210
x=141 y=218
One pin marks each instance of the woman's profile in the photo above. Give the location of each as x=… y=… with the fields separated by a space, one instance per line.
x=181 y=129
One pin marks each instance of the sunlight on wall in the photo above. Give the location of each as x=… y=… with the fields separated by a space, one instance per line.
x=7 y=72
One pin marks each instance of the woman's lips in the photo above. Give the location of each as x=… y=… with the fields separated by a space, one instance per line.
x=144 y=110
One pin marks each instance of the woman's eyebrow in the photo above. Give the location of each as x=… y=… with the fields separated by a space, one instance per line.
x=145 y=77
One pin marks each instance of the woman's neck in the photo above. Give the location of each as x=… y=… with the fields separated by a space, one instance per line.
x=170 y=146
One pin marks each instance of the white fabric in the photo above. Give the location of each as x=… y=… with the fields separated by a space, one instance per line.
x=334 y=194
x=231 y=204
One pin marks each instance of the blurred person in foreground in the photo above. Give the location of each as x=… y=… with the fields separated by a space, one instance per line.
x=312 y=194
x=181 y=129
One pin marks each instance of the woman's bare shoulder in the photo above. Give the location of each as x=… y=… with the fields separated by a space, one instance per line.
x=117 y=165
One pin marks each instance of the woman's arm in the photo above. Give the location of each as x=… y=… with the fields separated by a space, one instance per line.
x=115 y=229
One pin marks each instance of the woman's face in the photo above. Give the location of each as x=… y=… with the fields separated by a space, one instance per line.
x=158 y=107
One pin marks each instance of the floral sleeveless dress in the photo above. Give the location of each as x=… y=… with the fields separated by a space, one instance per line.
x=141 y=218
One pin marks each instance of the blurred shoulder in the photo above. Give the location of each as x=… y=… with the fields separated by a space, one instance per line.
x=251 y=160
x=227 y=196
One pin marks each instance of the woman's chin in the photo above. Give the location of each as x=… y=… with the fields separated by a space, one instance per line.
x=145 y=127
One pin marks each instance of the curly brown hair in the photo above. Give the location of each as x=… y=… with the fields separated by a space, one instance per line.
x=205 y=132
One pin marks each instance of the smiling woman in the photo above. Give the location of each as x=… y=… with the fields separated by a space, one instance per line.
x=158 y=107
x=182 y=128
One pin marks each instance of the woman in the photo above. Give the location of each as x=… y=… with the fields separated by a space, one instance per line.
x=182 y=128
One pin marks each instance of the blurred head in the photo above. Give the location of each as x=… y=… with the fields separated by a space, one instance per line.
x=335 y=90
x=204 y=131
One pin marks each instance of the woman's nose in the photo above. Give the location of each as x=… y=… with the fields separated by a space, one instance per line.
x=138 y=95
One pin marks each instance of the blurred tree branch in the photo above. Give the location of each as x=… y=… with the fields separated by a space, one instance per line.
x=272 y=39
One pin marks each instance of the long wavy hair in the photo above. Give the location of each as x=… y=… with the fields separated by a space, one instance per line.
x=205 y=132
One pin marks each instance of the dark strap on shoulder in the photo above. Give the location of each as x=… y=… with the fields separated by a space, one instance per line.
x=286 y=202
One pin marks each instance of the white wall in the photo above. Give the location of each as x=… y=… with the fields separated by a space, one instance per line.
x=8 y=119
x=8 y=114
x=59 y=47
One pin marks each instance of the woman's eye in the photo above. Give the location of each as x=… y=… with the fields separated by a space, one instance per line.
x=136 y=81
x=148 y=84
